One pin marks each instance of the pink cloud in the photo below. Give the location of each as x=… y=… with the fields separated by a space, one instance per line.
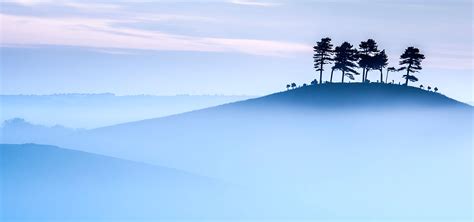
x=99 y=33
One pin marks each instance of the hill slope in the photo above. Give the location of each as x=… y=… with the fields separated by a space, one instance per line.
x=96 y=110
x=47 y=182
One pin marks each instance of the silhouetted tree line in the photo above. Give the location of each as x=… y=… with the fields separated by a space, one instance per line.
x=347 y=59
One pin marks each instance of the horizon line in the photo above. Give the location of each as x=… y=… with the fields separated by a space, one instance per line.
x=123 y=95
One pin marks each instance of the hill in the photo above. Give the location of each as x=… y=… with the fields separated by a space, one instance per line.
x=96 y=110
x=332 y=97
x=48 y=182
x=330 y=147
x=352 y=95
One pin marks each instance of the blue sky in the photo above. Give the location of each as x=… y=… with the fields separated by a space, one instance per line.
x=219 y=47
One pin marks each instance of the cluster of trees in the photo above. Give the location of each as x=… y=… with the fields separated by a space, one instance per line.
x=429 y=88
x=347 y=59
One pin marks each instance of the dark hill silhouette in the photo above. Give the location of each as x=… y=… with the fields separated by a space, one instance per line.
x=368 y=95
x=335 y=97
x=330 y=97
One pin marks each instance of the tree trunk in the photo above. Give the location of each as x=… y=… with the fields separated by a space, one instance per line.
x=332 y=71
x=386 y=77
x=321 y=74
x=343 y=74
x=381 y=76
x=363 y=75
x=408 y=75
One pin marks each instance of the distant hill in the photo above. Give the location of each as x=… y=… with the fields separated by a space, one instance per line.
x=48 y=182
x=331 y=146
x=20 y=130
x=95 y=110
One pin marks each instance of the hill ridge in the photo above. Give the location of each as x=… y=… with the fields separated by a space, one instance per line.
x=376 y=90
x=335 y=95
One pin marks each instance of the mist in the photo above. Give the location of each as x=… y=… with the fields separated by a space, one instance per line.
x=387 y=162
x=98 y=110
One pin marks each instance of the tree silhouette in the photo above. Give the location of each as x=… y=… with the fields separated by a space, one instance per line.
x=322 y=55
x=367 y=50
x=436 y=89
x=344 y=60
x=293 y=85
x=421 y=86
x=288 y=86
x=411 y=59
x=314 y=82
x=379 y=61
x=429 y=88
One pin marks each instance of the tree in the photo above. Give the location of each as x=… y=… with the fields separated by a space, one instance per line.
x=411 y=60
x=367 y=50
x=322 y=55
x=288 y=86
x=421 y=86
x=436 y=89
x=344 y=60
x=429 y=88
x=293 y=85
x=314 y=82
x=379 y=61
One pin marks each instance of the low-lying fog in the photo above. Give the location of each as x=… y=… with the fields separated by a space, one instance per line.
x=402 y=163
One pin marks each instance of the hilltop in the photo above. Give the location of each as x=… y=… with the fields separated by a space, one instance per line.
x=370 y=95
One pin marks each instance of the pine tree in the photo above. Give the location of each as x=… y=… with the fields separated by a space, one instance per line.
x=344 y=60
x=367 y=50
x=323 y=52
x=380 y=61
x=411 y=60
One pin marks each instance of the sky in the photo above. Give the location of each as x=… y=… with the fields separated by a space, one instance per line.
x=231 y=47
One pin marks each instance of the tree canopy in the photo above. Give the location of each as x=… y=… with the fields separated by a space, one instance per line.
x=346 y=58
